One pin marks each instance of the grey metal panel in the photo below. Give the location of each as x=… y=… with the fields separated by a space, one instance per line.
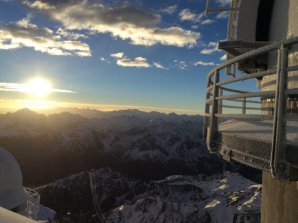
x=255 y=153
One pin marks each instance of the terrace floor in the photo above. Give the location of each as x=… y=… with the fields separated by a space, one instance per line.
x=258 y=130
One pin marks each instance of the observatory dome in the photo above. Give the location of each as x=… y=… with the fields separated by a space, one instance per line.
x=12 y=193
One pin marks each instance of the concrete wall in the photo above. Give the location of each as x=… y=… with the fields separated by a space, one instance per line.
x=284 y=24
x=279 y=201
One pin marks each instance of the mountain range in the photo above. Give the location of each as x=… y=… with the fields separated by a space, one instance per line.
x=107 y=196
x=148 y=145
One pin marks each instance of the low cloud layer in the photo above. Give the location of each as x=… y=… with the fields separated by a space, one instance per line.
x=25 y=34
x=123 y=20
x=23 y=88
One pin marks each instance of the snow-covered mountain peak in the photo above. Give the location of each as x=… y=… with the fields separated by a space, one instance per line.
x=199 y=198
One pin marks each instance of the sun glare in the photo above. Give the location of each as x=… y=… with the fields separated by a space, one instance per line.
x=39 y=87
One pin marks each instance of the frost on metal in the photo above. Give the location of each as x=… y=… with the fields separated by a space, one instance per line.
x=266 y=145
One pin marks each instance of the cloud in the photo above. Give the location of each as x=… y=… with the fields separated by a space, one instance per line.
x=181 y=64
x=207 y=21
x=202 y=63
x=23 y=88
x=211 y=48
x=136 y=62
x=70 y=35
x=40 y=5
x=187 y=15
x=25 y=34
x=224 y=57
x=223 y=15
x=122 y=20
x=123 y=61
x=102 y=59
x=170 y=9
x=117 y=55
x=224 y=2
x=158 y=65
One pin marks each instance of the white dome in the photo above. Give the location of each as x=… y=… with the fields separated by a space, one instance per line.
x=12 y=193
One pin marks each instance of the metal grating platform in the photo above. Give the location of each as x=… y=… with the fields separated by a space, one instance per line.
x=267 y=141
x=249 y=142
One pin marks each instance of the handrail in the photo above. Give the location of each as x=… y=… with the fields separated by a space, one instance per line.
x=247 y=95
x=254 y=53
x=247 y=117
x=240 y=107
x=248 y=76
x=216 y=95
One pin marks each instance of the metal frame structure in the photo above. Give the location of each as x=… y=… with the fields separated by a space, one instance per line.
x=32 y=205
x=216 y=94
x=232 y=26
x=207 y=10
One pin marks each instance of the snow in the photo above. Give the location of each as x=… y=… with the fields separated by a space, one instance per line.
x=177 y=198
x=218 y=190
x=222 y=197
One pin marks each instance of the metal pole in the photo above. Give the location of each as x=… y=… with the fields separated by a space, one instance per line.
x=207 y=111
x=278 y=166
x=207 y=7
x=213 y=129
x=244 y=106
x=220 y=103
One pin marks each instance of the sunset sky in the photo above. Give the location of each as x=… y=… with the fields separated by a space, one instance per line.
x=109 y=54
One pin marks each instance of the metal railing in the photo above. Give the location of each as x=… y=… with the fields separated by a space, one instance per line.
x=232 y=25
x=217 y=93
x=32 y=204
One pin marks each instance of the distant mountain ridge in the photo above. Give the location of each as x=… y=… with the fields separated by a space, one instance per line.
x=142 y=144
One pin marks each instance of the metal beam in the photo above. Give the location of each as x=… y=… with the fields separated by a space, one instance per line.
x=279 y=167
x=213 y=127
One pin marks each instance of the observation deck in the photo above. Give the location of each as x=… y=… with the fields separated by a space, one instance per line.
x=253 y=125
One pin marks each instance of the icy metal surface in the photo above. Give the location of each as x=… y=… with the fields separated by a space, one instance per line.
x=258 y=130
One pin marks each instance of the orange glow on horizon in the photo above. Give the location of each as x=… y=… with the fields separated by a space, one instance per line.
x=11 y=105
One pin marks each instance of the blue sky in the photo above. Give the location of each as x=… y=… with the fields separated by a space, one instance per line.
x=151 y=55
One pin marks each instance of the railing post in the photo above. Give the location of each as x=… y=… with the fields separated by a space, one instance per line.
x=244 y=106
x=278 y=164
x=207 y=111
x=213 y=127
x=220 y=103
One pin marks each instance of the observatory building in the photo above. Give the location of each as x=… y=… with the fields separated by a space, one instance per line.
x=14 y=198
x=251 y=110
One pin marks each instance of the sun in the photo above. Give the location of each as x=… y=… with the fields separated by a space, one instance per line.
x=39 y=87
